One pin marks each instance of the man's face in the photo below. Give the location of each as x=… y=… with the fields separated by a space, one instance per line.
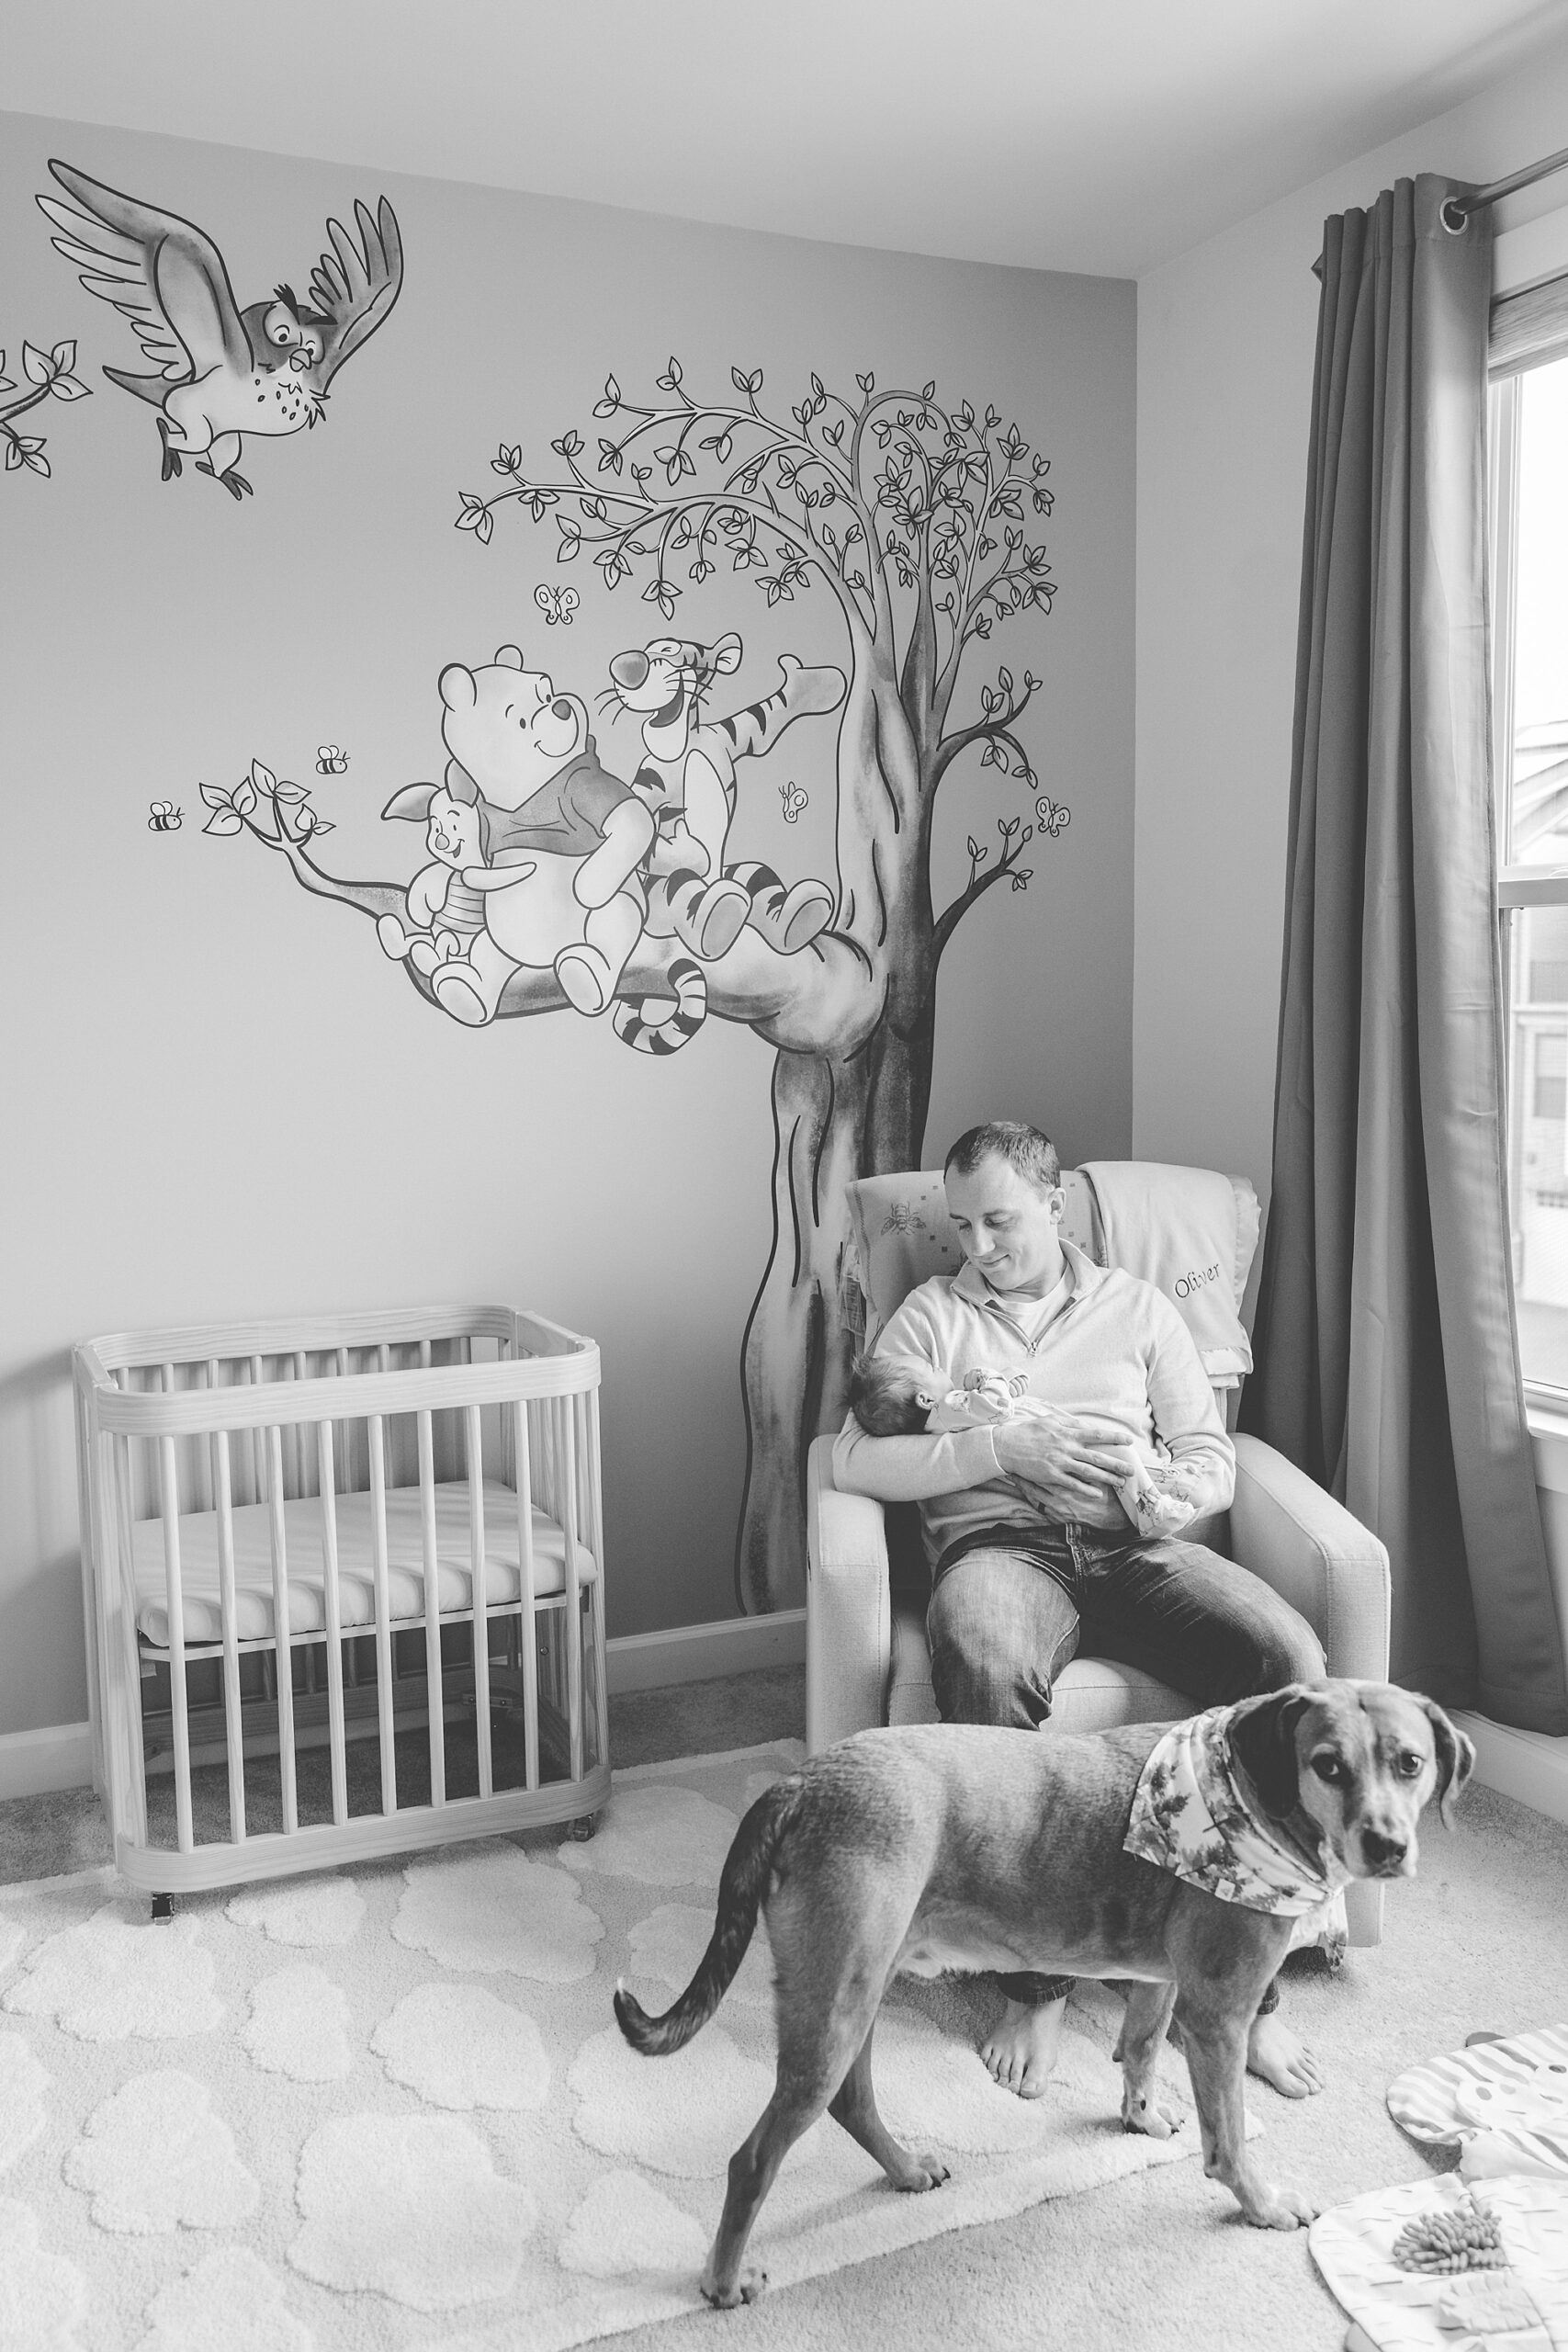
x=1006 y=1227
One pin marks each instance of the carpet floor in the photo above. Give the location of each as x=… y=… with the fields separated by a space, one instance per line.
x=1161 y=2262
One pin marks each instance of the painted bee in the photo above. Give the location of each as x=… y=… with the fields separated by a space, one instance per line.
x=796 y=800
x=556 y=604
x=163 y=816
x=331 y=761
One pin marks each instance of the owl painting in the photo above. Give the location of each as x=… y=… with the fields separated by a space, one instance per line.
x=221 y=372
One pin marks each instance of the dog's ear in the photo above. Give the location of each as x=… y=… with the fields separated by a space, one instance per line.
x=1456 y=1758
x=1263 y=1742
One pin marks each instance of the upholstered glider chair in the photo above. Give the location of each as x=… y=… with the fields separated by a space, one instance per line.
x=1193 y=1233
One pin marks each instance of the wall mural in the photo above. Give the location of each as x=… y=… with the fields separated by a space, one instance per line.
x=549 y=884
x=221 y=372
x=47 y=375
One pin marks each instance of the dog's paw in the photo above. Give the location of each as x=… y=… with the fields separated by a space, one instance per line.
x=926 y=2171
x=747 y=2285
x=1149 y=2115
x=1282 y=2208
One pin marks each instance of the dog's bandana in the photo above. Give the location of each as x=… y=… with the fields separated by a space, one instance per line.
x=1189 y=1817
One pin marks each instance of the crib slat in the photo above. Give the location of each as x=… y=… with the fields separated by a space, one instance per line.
x=374 y=1439
x=326 y=1486
x=174 y=1594
x=432 y=1610
x=258 y=1453
x=596 y=1590
x=232 y=1722
x=136 y=1753
x=480 y=1600
x=280 y=1629
x=563 y=1406
x=526 y=1621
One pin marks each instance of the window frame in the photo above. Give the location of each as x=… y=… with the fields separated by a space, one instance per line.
x=1529 y=330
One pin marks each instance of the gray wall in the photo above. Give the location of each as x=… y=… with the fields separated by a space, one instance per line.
x=220 y=1099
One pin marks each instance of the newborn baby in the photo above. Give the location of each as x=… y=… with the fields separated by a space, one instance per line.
x=897 y=1396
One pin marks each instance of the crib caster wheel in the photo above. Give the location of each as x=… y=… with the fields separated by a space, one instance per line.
x=583 y=1828
x=162 y=1907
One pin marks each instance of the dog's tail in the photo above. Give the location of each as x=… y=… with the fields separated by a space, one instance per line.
x=742 y=1884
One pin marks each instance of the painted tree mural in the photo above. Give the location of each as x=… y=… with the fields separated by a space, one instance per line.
x=915 y=518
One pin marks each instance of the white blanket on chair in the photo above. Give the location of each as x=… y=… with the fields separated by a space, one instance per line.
x=1190 y=1232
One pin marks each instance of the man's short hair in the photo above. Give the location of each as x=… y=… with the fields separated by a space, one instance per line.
x=1025 y=1149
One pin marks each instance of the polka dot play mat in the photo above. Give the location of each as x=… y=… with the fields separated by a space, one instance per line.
x=1504 y=2104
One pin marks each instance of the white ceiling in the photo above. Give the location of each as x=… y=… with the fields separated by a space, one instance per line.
x=1098 y=135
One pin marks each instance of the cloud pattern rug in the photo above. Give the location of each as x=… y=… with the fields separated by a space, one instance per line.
x=390 y=2105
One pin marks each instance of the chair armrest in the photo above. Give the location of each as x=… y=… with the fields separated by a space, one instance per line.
x=848 y=1621
x=1317 y=1555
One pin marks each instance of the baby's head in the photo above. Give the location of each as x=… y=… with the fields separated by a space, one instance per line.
x=891 y=1396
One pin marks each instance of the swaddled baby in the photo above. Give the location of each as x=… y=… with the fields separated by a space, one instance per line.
x=898 y=1397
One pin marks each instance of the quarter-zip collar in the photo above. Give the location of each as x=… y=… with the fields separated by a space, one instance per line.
x=970 y=1283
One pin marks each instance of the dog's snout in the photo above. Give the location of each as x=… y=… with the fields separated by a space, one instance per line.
x=630 y=670
x=1384 y=1853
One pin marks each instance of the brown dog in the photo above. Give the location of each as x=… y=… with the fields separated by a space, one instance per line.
x=957 y=1847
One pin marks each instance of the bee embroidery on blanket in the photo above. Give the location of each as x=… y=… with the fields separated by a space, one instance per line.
x=903 y=1218
x=556 y=604
x=163 y=816
x=796 y=801
x=1051 y=816
x=331 y=760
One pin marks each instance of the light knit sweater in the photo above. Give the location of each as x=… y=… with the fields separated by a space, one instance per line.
x=1115 y=1347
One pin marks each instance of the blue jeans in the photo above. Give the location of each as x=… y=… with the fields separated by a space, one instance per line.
x=1011 y=1606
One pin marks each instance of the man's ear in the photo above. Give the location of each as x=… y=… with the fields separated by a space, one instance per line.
x=1456 y=1757
x=1263 y=1742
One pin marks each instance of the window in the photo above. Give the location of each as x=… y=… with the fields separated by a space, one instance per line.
x=1529 y=591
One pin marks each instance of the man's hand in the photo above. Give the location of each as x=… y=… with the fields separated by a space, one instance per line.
x=1071 y=1459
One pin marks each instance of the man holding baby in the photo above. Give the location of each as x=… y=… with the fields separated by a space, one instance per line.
x=1059 y=1431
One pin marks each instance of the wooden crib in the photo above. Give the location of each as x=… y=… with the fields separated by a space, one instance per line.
x=305 y=1543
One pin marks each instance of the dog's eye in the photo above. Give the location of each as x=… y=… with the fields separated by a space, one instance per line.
x=1408 y=1764
x=1329 y=1768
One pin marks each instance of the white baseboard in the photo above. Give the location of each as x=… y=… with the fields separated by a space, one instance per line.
x=59 y=1756
x=1525 y=1765
x=698 y=1653
x=35 y=1763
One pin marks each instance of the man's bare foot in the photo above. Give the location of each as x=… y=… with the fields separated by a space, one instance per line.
x=1283 y=2058
x=1022 y=2052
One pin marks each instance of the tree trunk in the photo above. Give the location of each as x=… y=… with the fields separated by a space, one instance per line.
x=834 y=1118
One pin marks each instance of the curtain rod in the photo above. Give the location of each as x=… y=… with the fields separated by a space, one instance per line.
x=1457 y=208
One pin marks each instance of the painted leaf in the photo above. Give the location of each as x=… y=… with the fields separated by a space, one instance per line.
x=214 y=796
x=37 y=364
x=244 y=799
x=223 y=821
x=69 y=387
x=65 y=357
x=291 y=794
x=484 y=526
x=263 y=777
x=322 y=824
x=13 y=454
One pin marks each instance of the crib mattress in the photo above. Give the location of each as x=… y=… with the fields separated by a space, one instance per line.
x=253 y=1617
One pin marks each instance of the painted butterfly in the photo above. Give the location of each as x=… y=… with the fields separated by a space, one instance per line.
x=1052 y=815
x=796 y=801
x=556 y=604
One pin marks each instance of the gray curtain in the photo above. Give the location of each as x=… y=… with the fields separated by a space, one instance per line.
x=1387 y=1356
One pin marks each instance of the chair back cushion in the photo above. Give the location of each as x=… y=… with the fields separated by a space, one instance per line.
x=901 y=1235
